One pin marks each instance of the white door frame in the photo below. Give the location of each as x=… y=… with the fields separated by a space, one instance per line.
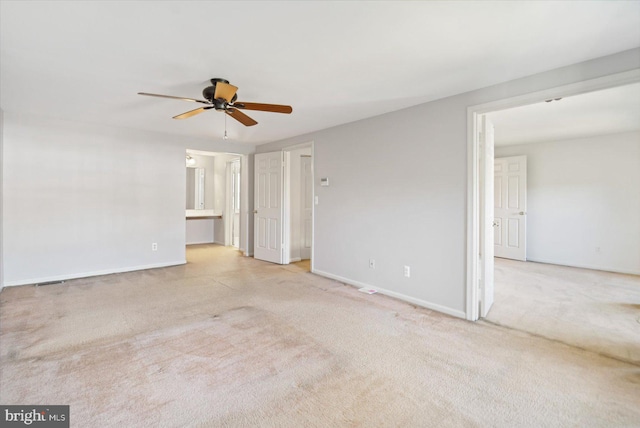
x=246 y=205
x=475 y=183
x=286 y=222
x=229 y=208
x=486 y=215
x=306 y=185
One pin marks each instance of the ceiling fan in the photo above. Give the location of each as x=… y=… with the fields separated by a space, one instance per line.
x=222 y=96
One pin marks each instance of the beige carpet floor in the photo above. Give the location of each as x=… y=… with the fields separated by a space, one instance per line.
x=231 y=341
x=590 y=309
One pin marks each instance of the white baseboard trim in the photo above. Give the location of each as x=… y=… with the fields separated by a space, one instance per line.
x=295 y=259
x=581 y=266
x=219 y=243
x=89 y=274
x=404 y=297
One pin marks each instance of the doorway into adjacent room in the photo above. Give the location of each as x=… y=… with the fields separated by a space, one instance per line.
x=284 y=206
x=567 y=244
x=213 y=203
x=300 y=204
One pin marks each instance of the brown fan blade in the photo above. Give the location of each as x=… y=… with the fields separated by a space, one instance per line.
x=274 y=108
x=175 y=98
x=240 y=117
x=190 y=113
x=225 y=91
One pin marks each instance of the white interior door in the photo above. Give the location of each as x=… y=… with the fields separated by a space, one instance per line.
x=306 y=203
x=486 y=216
x=510 y=225
x=268 y=207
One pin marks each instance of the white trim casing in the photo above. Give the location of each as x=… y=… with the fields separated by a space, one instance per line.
x=473 y=218
x=286 y=203
x=246 y=206
x=313 y=206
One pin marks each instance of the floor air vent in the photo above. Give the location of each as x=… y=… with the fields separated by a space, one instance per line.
x=49 y=283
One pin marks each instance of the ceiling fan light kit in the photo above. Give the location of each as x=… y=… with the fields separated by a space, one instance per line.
x=222 y=96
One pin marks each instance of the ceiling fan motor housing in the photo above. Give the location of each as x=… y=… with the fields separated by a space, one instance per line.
x=209 y=93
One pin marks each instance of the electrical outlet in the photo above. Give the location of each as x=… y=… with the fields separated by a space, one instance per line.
x=372 y=263
x=407 y=271
x=154 y=246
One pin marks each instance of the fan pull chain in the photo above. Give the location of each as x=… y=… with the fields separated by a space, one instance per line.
x=225 y=126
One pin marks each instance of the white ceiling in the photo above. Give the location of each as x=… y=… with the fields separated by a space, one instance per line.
x=603 y=112
x=334 y=62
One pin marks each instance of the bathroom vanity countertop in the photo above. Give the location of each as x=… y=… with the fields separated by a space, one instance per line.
x=202 y=214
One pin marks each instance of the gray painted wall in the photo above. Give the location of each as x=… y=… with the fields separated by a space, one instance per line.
x=398 y=190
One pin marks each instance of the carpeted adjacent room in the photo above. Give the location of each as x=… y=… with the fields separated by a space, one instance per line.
x=585 y=308
x=230 y=341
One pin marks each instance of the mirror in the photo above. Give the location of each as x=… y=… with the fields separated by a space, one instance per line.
x=195 y=188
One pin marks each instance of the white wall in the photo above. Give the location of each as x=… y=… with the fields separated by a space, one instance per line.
x=583 y=201
x=1 y=198
x=398 y=190
x=83 y=199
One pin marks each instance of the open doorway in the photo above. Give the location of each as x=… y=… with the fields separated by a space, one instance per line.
x=479 y=160
x=284 y=203
x=213 y=203
x=580 y=283
x=299 y=205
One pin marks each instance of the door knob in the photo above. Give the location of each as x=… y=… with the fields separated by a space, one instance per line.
x=255 y=211
x=521 y=213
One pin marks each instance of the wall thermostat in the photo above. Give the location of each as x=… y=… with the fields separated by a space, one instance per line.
x=324 y=181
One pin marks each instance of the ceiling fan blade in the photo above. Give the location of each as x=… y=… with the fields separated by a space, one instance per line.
x=193 y=100
x=274 y=108
x=225 y=91
x=190 y=113
x=240 y=117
